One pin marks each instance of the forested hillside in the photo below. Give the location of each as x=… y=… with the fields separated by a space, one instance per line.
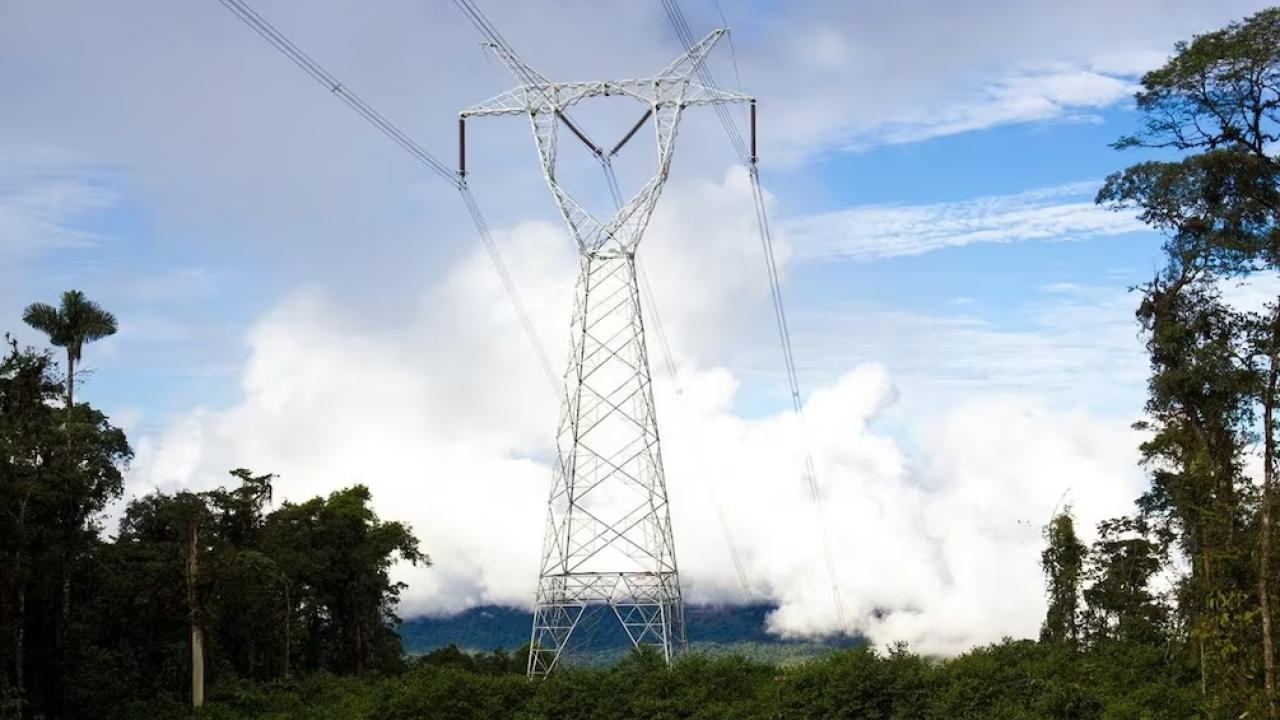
x=712 y=630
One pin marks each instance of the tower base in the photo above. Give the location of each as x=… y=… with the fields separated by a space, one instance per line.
x=571 y=609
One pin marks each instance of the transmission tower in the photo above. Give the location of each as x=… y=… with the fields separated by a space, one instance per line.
x=608 y=553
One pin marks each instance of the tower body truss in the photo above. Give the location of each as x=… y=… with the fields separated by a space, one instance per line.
x=608 y=553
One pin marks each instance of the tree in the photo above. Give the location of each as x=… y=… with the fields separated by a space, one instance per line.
x=27 y=429
x=1121 y=605
x=167 y=539
x=336 y=554
x=1062 y=562
x=56 y=477
x=246 y=588
x=239 y=511
x=233 y=579
x=1200 y=411
x=1267 y=348
x=207 y=533
x=1216 y=103
x=77 y=321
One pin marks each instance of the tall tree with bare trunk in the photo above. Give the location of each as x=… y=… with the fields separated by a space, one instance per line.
x=78 y=320
x=1271 y=345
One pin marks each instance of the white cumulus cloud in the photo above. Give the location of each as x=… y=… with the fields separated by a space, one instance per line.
x=445 y=417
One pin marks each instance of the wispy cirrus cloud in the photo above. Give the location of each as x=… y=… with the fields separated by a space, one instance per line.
x=43 y=203
x=1062 y=93
x=873 y=232
x=48 y=202
x=1051 y=348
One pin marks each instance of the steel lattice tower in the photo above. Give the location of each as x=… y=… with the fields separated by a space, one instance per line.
x=608 y=549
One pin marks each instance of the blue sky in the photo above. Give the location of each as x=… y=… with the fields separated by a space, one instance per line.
x=297 y=295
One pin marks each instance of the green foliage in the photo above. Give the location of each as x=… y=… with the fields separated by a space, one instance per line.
x=335 y=555
x=302 y=588
x=89 y=626
x=1220 y=89
x=1063 y=563
x=76 y=321
x=1216 y=104
x=1121 y=604
x=316 y=573
x=1013 y=680
x=59 y=467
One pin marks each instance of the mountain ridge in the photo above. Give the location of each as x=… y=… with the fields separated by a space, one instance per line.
x=712 y=629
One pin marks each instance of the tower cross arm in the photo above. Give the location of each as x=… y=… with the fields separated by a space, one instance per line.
x=692 y=59
x=512 y=102
x=650 y=91
x=518 y=68
x=555 y=96
x=698 y=94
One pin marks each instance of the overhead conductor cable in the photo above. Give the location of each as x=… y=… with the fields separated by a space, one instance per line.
x=457 y=180
x=750 y=160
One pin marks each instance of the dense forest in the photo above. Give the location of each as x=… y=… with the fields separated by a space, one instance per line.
x=287 y=610
x=193 y=585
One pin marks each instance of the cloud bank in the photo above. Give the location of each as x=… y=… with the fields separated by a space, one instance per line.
x=935 y=536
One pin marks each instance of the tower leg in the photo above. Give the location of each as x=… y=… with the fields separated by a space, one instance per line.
x=608 y=553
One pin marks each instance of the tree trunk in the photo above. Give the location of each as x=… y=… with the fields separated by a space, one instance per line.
x=64 y=614
x=19 y=643
x=359 y=650
x=197 y=632
x=1264 y=560
x=288 y=620
x=1204 y=671
x=66 y=596
x=197 y=666
x=71 y=381
x=20 y=619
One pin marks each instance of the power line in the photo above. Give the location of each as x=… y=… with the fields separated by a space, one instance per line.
x=280 y=42
x=304 y=61
x=681 y=25
x=687 y=38
x=733 y=51
x=508 y=284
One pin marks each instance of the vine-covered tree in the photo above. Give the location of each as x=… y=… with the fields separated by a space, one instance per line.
x=1216 y=105
x=1122 y=606
x=1063 y=564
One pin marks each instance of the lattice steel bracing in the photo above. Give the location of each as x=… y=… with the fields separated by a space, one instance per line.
x=608 y=552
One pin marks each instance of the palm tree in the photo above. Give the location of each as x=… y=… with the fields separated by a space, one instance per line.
x=78 y=321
